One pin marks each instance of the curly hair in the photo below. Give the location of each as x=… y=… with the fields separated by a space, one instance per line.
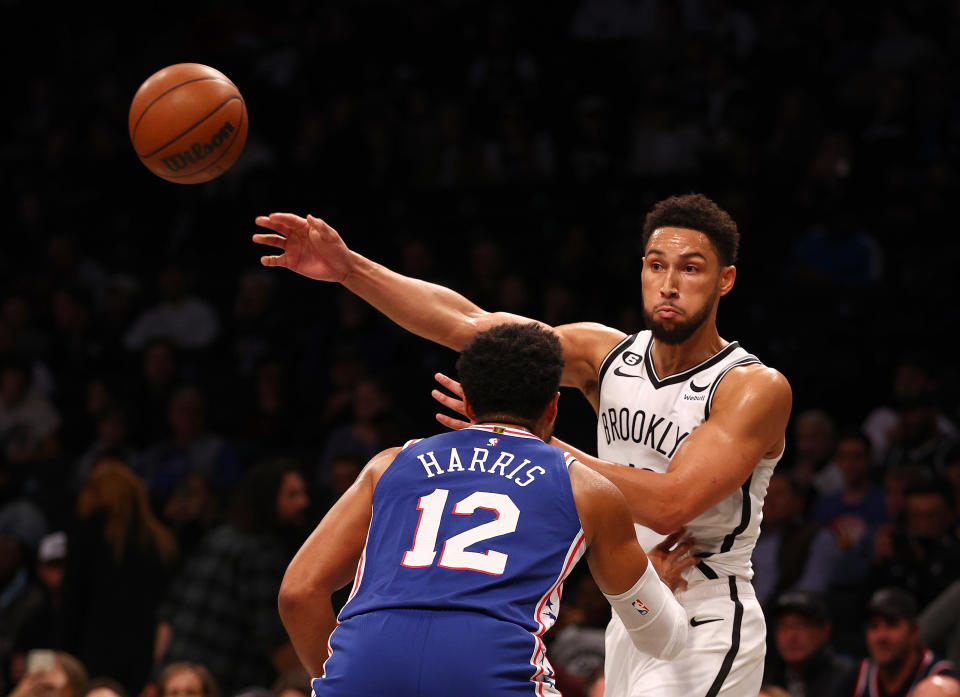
x=511 y=370
x=696 y=212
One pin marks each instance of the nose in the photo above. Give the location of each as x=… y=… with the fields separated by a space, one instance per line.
x=668 y=289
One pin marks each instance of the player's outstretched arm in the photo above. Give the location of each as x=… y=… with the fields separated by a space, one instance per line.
x=312 y=248
x=653 y=618
x=747 y=422
x=326 y=562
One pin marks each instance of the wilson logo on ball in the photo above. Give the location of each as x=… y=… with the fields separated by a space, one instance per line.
x=198 y=151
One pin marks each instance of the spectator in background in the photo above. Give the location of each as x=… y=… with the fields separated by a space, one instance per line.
x=813 y=444
x=913 y=377
x=113 y=435
x=29 y=420
x=918 y=438
x=331 y=483
x=68 y=678
x=856 y=512
x=922 y=554
x=105 y=687
x=186 y=679
x=191 y=449
x=160 y=373
x=22 y=526
x=254 y=325
x=45 y=625
x=222 y=607
x=804 y=662
x=183 y=318
x=897 y=660
x=268 y=419
x=75 y=348
x=362 y=434
x=792 y=553
x=121 y=559
x=292 y=683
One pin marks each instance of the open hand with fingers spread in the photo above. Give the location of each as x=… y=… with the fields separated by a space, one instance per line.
x=672 y=557
x=310 y=246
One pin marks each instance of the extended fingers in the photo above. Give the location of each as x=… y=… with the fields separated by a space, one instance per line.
x=271 y=239
x=273 y=260
x=451 y=423
x=448 y=401
x=450 y=384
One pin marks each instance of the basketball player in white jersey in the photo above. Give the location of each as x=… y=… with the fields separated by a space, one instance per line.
x=694 y=422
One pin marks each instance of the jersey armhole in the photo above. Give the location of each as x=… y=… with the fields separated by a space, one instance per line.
x=409 y=443
x=612 y=356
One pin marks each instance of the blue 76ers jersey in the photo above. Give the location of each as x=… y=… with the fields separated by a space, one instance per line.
x=481 y=520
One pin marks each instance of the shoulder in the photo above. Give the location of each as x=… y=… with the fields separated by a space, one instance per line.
x=377 y=465
x=589 y=340
x=756 y=384
x=758 y=376
x=593 y=492
x=585 y=346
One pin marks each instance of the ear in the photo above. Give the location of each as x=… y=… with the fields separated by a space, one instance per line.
x=470 y=413
x=728 y=275
x=552 y=408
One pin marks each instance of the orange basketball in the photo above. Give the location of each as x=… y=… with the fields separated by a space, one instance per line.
x=188 y=123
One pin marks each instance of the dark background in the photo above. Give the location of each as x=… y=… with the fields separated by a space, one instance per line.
x=811 y=116
x=507 y=150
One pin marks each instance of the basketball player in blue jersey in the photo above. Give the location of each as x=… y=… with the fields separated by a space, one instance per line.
x=458 y=545
x=689 y=425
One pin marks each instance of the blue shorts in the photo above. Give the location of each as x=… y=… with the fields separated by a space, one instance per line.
x=427 y=653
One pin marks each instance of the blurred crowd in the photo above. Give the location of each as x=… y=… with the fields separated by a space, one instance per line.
x=174 y=419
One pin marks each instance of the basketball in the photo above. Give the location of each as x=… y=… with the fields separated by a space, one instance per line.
x=188 y=123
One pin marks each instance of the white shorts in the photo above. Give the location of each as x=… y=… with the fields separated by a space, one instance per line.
x=726 y=645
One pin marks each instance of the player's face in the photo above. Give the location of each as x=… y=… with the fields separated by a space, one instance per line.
x=682 y=280
x=890 y=640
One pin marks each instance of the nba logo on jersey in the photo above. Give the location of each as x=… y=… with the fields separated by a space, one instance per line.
x=640 y=607
x=493 y=441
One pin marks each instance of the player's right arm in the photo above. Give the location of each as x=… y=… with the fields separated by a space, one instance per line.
x=653 y=618
x=313 y=249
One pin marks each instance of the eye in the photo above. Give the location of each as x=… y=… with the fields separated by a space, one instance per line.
x=690 y=268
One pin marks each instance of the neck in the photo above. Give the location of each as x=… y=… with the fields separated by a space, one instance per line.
x=540 y=431
x=669 y=359
x=893 y=675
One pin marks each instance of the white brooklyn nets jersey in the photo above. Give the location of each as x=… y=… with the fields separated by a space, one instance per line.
x=642 y=420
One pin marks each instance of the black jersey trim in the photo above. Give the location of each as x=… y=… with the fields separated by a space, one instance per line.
x=746 y=360
x=734 y=641
x=612 y=356
x=706 y=570
x=744 y=517
x=686 y=374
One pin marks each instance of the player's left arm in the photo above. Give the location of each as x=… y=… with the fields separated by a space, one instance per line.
x=747 y=422
x=326 y=562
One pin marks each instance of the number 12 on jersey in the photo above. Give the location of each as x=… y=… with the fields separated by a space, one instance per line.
x=453 y=554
